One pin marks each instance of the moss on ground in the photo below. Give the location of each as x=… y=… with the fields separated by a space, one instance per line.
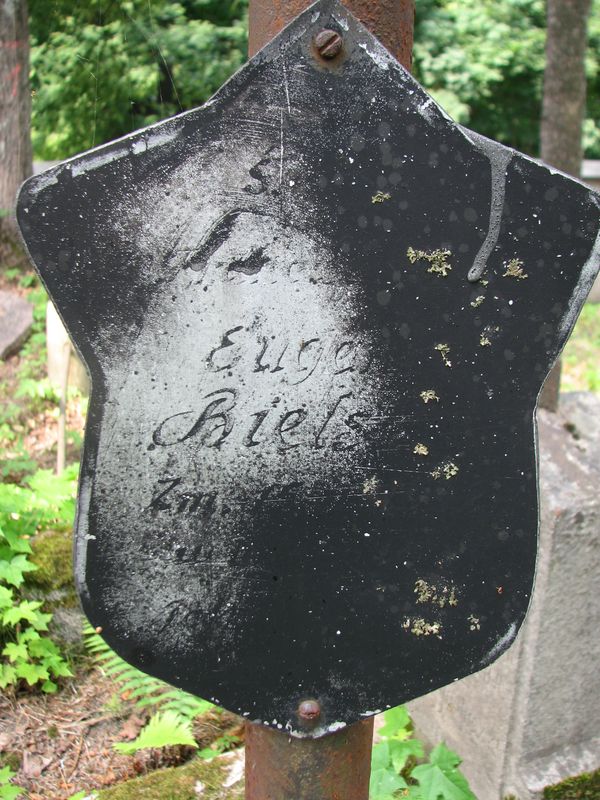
x=581 y=787
x=179 y=783
x=52 y=554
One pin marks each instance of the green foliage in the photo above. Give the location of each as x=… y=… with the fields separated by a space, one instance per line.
x=26 y=655
x=165 y=729
x=395 y=771
x=101 y=69
x=8 y=790
x=580 y=787
x=143 y=689
x=581 y=367
x=484 y=61
x=171 y=724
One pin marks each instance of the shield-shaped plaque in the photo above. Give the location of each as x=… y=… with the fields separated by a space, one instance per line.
x=317 y=315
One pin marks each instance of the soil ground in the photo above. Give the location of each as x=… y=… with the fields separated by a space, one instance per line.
x=61 y=744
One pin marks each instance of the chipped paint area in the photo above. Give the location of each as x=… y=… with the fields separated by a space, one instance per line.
x=85 y=165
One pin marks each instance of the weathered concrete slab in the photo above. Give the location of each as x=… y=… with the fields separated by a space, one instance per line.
x=533 y=718
x=16 y=319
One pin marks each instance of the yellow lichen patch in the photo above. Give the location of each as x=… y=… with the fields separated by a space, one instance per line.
x=483 y=282
x=429 y=593
x=420 y=627
x=478 y=301
x=447 y=471
x=428 y=395
x=438 y=260
x=474 y=623
x=421 y=449
x=443 y=350
x=485 y=337
x=381 y=197
x=514 y=269
x=370 y=485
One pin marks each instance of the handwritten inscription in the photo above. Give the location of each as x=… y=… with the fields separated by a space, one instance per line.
x=226 y=416
x=214 y=422
x=300 y=360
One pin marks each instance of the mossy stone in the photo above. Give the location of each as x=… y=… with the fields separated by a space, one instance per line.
x=582 y=787
x=179 y=783
x=53 y=555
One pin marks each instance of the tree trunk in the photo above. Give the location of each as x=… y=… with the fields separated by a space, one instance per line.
x=563 y=109
x=15 y=113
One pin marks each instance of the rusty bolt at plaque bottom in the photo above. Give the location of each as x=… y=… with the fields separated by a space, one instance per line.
x=309 y=710
x=328 y=43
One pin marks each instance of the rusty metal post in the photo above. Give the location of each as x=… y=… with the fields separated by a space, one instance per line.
x=391 y=21
x=337 y=766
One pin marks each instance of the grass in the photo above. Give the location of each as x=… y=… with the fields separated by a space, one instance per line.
x=581 y=356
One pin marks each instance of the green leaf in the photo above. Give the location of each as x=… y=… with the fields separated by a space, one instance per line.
x=40 y=646
x=6 y=598
x=381 y=757
x=32 y=673
x=163 y=730
x=384 y=783
x=440 y=779
x=26 y=610
x=397 y=723
x=6 y=774
x=445 y=758
x=11 y=792
x=40 y=623
x=14 y=651
x=58 y=667
x=12 y=571
x=16 y=542
x=49 y=687
x=8 y=675
x=400 y=752
x=207 y=753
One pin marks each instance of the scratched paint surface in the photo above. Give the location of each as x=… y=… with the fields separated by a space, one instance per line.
x=317 y=315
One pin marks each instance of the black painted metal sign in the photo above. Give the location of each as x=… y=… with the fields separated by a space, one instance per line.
x=317 y=315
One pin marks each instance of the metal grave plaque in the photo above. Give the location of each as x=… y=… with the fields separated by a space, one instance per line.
x=317 y=315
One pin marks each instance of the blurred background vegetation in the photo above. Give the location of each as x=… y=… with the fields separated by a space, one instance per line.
x=102 y=69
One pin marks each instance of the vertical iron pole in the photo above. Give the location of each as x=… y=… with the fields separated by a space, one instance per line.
x=337 y=766
x=391 y=21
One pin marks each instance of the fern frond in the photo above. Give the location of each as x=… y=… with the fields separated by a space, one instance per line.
x=144 y=689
